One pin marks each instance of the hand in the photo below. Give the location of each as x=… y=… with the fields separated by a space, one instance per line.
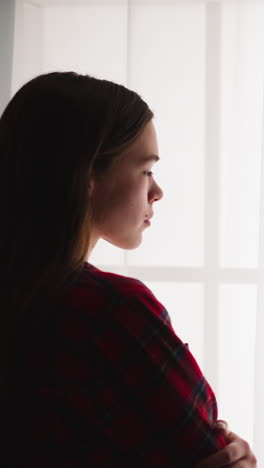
x=237 y=453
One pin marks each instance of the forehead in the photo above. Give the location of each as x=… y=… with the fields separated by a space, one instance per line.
x=145 y=148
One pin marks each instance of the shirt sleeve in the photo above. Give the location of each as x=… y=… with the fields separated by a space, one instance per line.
x=142 y=388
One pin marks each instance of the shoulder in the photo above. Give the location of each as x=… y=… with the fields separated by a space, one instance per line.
x=107 y=290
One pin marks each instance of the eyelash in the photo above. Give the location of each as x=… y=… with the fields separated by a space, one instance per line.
x=149 y=173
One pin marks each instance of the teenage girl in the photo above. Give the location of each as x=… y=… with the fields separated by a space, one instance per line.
x=92 y=372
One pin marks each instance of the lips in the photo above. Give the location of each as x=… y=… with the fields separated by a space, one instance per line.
x=148 y=218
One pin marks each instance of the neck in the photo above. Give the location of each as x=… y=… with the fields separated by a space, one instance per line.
x=93 y=241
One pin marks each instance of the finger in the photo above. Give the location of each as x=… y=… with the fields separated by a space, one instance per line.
x=237 y=451
x=245 y=463
x=221 y=425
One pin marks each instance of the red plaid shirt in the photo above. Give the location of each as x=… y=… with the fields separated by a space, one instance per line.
x=104 y=381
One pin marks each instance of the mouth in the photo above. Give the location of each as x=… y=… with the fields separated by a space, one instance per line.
x=147 y=222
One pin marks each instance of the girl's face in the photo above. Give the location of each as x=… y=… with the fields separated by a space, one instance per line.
x=123 y=196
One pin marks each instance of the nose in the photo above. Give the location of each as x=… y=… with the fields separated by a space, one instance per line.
x=155 y=193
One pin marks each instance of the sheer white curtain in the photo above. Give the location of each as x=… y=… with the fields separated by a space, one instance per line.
x=200 y=66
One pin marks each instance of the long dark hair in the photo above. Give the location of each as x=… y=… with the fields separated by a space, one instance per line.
x=56 y=129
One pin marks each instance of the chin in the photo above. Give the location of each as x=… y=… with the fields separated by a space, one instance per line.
x=125 y=244
x=132 y=247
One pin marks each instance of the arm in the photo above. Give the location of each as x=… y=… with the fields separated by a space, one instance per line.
x=145 y=393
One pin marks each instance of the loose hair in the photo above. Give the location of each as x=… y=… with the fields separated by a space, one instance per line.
x=56 y=130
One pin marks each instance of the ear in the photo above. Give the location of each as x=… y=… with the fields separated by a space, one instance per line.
x=91 y=185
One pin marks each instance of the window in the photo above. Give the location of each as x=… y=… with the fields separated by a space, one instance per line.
x=200 y=66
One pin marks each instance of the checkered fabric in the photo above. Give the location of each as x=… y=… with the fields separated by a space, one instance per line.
x=104 y=381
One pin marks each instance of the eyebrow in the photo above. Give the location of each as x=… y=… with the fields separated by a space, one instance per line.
x=151 y=157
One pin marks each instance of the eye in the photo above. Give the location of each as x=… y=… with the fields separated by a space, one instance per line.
x=149 y=173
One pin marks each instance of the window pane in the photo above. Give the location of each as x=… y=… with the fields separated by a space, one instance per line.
x=106 y=254
x=242 y=113
x=31 y=63
x=237 y=328
x=88 y=39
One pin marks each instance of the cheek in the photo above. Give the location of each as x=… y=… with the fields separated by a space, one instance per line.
x=126 y=200
x=110 y=206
